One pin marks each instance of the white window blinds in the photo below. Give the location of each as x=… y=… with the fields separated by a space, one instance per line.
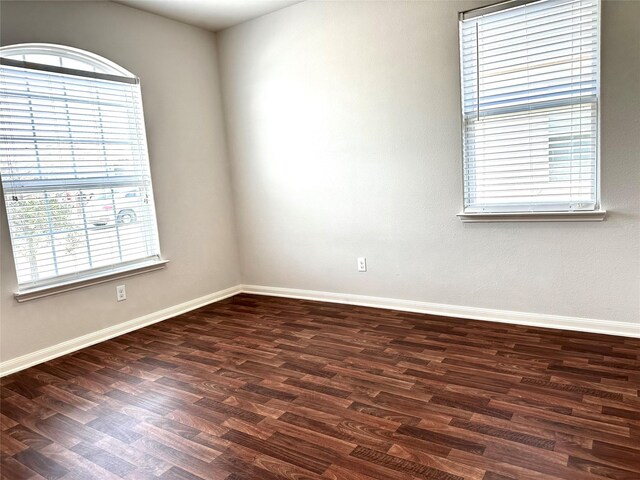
x=75 y=173
x=530 y=106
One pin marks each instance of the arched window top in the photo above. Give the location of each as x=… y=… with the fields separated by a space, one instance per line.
x=63 y=56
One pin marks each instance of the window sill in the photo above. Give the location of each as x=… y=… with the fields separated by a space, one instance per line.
x=68 y=286
x=576 y=216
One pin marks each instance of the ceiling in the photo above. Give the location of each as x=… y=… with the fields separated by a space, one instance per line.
x=210 y=14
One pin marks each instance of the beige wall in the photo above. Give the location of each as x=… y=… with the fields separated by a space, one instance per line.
x=177 y=67
x=344 y=136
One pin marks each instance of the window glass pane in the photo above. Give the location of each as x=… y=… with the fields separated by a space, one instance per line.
x=61 y=56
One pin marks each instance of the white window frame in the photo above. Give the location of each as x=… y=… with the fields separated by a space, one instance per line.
x=515 y=213
x=104 y=69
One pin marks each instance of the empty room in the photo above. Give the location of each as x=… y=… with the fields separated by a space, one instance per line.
x=320 y=239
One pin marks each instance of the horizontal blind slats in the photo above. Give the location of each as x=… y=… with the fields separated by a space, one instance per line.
x=79 y=275
x=515 y=176
x=529 y=77
x=541 y=134
x=59 y=79
x=516 y=23
x=489 y=58
x=75 y=172
x=535 y=10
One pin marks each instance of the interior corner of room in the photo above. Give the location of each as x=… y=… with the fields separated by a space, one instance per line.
x=295 y=142
x=320 y=239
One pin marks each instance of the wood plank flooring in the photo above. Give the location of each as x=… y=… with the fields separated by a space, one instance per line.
x=267 y=388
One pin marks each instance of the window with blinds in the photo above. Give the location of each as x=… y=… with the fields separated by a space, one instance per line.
x=530 y=85
x=74 y=166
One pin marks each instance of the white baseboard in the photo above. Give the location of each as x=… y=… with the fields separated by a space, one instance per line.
x=49 y=353
x=608 y=327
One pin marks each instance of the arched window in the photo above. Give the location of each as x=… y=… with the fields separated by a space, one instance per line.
x=75 y=169
x=61 y=56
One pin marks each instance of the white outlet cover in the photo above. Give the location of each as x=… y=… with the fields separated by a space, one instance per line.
x=362 y=264
x=121 y=293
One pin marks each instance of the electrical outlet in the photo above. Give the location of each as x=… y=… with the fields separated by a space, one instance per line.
x=362 y=264
x=121 y=293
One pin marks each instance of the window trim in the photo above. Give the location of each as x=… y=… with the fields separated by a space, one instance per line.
x=573 y=216
x=89 y=280
x=597 y=213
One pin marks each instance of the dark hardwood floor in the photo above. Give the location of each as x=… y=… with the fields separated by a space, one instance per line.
x=267 y=388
